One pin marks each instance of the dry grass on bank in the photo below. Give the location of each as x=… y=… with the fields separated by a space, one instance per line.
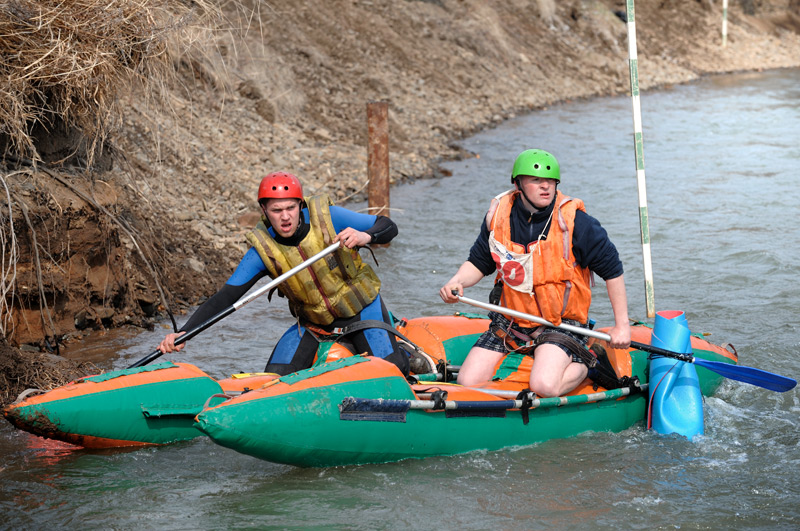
x=62 y=64
x=64 y=68
x=26 y=370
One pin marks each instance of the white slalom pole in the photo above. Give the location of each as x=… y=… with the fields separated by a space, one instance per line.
x=724 y=23
x=644 y=222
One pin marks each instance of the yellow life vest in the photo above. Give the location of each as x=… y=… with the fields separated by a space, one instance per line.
x=542 y=278
x=337 y=286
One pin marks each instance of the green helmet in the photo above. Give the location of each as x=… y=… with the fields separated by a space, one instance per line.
x=536 y=163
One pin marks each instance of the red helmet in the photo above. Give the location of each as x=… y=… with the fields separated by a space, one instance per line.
x=280 y=185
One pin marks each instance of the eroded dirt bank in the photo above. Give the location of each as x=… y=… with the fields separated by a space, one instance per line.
x=282 y=86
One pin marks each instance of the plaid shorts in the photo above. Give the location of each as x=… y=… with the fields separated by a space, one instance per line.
x=491 y=341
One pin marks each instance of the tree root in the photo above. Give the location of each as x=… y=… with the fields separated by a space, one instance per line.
x=8 y=265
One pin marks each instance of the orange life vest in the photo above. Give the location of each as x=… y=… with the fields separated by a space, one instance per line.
x=543 y=279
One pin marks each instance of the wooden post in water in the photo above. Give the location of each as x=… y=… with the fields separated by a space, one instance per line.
x=638 y=144
x=724 y=23
x=378 y=157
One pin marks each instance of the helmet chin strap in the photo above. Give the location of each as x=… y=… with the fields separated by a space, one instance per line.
x=527 y=199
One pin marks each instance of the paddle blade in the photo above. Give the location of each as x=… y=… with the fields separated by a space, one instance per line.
x=767 y=380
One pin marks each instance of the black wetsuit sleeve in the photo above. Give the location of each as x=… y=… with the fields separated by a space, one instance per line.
x=221 y=300
x=479 y=254
x=593 y=248
x=383 y=231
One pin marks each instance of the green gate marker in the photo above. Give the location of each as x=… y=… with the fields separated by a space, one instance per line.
x=644 y=222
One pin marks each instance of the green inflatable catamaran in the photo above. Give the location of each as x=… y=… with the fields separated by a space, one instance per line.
x=362 y=410
x=350 y=409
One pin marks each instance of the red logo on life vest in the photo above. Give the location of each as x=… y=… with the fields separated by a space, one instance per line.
x=513 y=273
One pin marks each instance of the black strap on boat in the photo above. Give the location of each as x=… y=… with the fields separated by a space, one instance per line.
x=439 y=398
x=374 y=410
x=441 y=368
x=406 y=345
x=601 y=372
x=375 y=323
x=525 y=396
x=604 y=375
x=370 y=323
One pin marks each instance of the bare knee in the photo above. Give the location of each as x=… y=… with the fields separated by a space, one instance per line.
x=545 y=388
x=468 y=379
x=548 y=384
x=470 y=374
x=478 y=368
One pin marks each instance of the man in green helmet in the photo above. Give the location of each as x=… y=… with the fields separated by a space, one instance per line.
x=544 y=248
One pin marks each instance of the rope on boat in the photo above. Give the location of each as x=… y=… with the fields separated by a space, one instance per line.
x=26 y=393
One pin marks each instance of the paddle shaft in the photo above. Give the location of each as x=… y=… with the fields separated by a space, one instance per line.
x=753 y=376
x=238 y=304
x=576 y=329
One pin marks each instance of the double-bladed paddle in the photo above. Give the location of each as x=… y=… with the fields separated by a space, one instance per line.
x=767 y=380
x=238 y=304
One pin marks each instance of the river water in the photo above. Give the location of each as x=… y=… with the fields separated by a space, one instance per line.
x=722 y=157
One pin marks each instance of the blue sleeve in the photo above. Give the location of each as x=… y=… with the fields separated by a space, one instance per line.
x=343 y=218
x=593 y=248
x=251 y=267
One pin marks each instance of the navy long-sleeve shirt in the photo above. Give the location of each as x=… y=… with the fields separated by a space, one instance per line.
x=590 y=243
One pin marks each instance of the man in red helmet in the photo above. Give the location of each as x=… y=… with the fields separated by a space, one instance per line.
x=333 y=293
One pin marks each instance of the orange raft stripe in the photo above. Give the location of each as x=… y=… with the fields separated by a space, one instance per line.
x=238 y=382
x=97 y=443
x=371 y=369
x=84 y=387
x=430 y=333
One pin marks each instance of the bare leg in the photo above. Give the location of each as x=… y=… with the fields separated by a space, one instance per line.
x=479 y=366
x=554 y=373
